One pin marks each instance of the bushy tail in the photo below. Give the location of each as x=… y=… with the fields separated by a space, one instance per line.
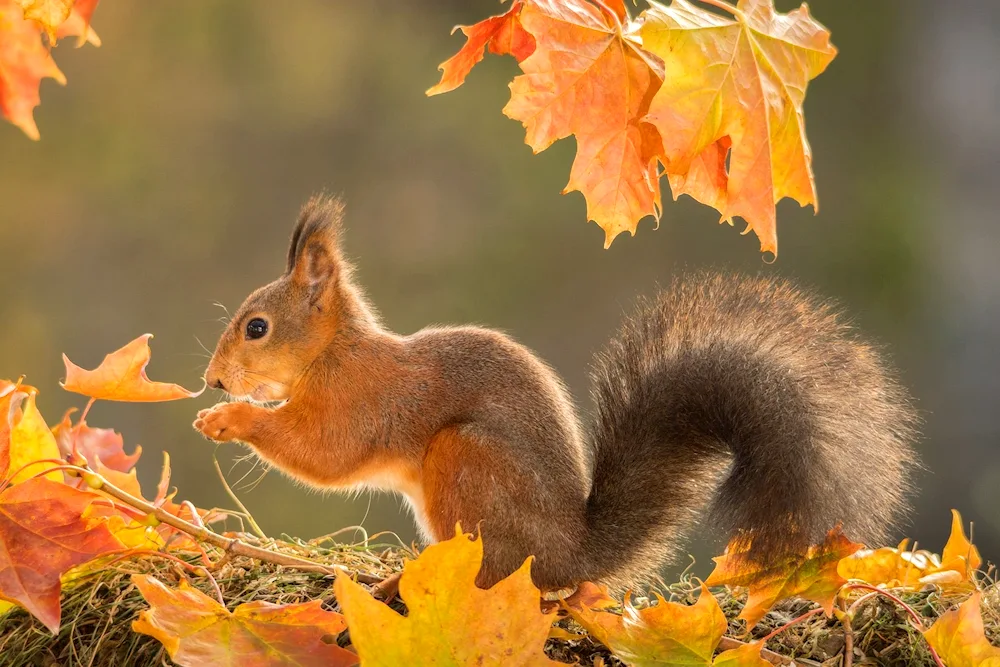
x=752 y=394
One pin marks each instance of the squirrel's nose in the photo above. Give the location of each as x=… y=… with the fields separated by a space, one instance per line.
x=214 y=382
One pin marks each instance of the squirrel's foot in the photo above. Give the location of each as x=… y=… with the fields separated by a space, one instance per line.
x=224 y=422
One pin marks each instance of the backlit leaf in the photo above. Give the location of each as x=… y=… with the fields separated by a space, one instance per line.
x=736 y=83
x=31 y=440
x=94 y=444
x=42 y=535
x=49 y=14
x=450 y=621
x=196 y=630
x=24 y=62
x=891 y=566
x=812 y=575
x=959 y=638
x=122 y=377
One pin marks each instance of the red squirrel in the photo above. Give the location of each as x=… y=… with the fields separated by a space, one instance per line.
x=741 y=399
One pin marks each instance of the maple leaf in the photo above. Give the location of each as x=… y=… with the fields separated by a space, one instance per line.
x=450 y=621
x=10 y=406
x=891 y=566
x=197 y=630
x=589 y=77
x=42 y=535
x=959 y=557
x=665 y=634
x=122 y=377
x=94 y=444
x=30 y=440
x=959 y=639
x=24 y=62
x=78 y=23
x=49 y=14
x=736 y=83
x=502 y=35
x=812 y=575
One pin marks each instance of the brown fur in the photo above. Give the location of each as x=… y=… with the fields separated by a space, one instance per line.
x=736 y=393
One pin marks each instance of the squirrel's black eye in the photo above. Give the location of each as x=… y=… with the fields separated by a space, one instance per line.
x=256 y=328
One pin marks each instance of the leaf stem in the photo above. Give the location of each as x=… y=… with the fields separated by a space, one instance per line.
x=722 y=4
x=228 y=544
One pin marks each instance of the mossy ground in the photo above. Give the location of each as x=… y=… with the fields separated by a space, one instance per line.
x=99 y=607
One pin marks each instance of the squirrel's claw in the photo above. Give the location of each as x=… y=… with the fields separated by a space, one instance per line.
x=217 y=423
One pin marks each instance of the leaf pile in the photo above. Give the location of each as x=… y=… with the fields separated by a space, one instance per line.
x=25 y=58
x=715 y=100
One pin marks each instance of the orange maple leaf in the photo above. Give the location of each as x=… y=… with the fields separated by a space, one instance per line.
x=959 y=638
x=122 y=377
x=49 y=14
x=812 y=575
x=78 y=23
x=449 y=621
x=589 y=77
x=502 y=34
x=197 y=630
x=890 y=566
x=737 y=83
x=24 y=62
x=93 y=444
x=42 y=535
x=665 y=634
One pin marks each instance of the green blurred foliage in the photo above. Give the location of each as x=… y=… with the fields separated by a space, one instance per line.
x=171 y=168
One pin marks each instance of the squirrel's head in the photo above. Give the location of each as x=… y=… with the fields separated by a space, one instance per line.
x=282 y=328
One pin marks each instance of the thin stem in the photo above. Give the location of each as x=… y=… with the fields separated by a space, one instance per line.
x=229 y=544
x=249 y=517
x=849 y=629
x=59 y=464
x=909 y=610
x=799 y=619
x=198 y=571
x=721 y=4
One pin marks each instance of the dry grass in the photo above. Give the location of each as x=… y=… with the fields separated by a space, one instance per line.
x=98 y=608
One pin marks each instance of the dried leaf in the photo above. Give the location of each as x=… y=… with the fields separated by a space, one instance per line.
x=959 y=554
x=959 y=639
x=11 y=398
x=94 y=444
x=812 y=575
x=589 y=78
x=736 y=82
x=43 y=535
x=31 y=440
x=49 y=14
x=197 y=630
x=122 y=377
x=24 y=62
x=665 y=634
x=450 y=621
x=502 y=34
x=890 y=566
x=78 y=23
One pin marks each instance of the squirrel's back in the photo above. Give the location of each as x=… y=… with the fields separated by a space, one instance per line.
x=752 y=393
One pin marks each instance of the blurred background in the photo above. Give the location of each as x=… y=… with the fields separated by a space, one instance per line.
x=171 y=168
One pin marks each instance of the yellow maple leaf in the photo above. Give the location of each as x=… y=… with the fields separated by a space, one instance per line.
x=667 y=633
x=450 y=621
x=812 y=575
x=890 y=566
x=736 y=83
x=959 y=639
x=31 y=440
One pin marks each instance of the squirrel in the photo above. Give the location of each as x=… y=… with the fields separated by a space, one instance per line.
x=742 y=396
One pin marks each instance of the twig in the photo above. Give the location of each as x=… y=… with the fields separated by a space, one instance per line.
x=909 y=610
x=728 y=643
x=249 y=517
x=228 y=544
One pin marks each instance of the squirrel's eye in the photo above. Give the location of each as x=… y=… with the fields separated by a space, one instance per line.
x=256 y=328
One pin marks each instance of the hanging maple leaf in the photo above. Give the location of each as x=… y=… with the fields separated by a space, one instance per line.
x=959 y=638
x=24 y=62
x=42 y=535
x=197 y=630
x=49 y=14
x=31 y=440
x=812 y=575
x=589 y=77
x=501 y=34
x=667 y=633
x=78 y=23
x=737 y=82
x=450 y=621
x=122 y=377
x=93 y=444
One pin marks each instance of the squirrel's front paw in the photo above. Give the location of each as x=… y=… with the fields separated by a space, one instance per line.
x=225 y=421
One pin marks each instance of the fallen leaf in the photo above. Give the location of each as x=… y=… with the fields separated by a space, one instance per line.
x=959 y=554
x=959 y=638
x=812 y=575
x=24 y=62
x=94 y=444
x=31 y=440
x=588 y=77
x=122 y=377
x=736 y=84
x=450 y=621
x=890 y=566
x=502 y=34
x=667 y=633
x=78 y=23
x=49 y=14
x=43 y=535
x=197 y=630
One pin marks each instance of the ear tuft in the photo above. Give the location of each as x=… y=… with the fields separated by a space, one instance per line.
x=319 y=223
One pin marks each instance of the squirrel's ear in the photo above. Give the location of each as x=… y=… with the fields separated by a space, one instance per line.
x=314 y=253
